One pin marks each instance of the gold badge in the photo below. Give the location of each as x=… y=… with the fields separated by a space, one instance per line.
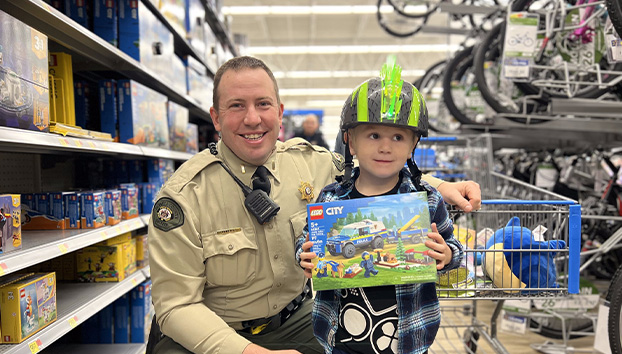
x=306 y=191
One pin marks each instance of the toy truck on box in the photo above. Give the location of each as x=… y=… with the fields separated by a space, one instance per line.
x=371 y=233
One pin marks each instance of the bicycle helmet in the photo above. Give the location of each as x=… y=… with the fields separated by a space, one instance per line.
x=387 y=100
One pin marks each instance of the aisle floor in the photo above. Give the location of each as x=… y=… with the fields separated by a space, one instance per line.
x=455 y=320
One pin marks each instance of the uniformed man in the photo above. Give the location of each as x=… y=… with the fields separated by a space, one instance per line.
x=224 y=274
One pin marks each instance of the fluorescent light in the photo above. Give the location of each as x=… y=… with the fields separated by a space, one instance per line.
x=354 y=49
x=324 y=103
x=338 y=74
x=316 y=92
x=315 y=10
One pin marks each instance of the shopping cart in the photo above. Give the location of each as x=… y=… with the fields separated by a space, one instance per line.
x=515 y=249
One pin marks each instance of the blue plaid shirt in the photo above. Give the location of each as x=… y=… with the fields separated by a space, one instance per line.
x=419 y=314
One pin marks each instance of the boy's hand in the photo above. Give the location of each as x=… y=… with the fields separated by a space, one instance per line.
x=306 y=257
x=438 y=248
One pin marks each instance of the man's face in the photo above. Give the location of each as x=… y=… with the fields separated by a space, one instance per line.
x=310 y=125
x=249 y=116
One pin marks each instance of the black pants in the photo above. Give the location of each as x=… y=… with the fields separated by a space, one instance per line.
x=295 y=333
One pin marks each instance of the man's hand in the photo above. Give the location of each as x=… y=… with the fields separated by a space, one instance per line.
x=255 y=349
x=306 y=257
x=465 y=195
x=438 y=248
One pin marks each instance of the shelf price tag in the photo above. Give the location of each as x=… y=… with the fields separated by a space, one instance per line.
x=3 y=267
x=63 y=141
x=134 y=282
x=90 y=144
x=73 y=322
x=34 y=346
x=78 y=143
x=63 y=248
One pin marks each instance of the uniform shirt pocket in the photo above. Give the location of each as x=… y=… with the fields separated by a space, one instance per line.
x=230 y=257
x=298 y=221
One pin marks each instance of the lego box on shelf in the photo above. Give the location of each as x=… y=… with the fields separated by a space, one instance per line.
x=106 y=263
x=28 y=305
x=192 y=137
x=129 y=201
x=10 y=223
x=141 y=312
x=177 y=124
x=113 y=207
x=105 y=19
x=109 y=121
x=371 y=241
x=60 y=67
x=142 y=115
x=93 y=206
x=24 y=83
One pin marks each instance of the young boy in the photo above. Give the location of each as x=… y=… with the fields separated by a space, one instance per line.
x=382 y=122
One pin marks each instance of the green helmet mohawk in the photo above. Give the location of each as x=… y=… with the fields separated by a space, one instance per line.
x=386 y=100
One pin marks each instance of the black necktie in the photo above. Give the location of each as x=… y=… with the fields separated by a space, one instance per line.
x=261 y=180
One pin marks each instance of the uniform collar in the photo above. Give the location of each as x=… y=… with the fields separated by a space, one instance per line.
x=243 y=170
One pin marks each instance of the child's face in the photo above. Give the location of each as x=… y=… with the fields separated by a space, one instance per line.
x=381 y=150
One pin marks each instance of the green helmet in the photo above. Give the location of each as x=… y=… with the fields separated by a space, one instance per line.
x=386 y=100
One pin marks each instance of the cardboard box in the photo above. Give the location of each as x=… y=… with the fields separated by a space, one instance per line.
x=106 y=325
x=371 y=241
x=94 y=210
x=159 y=171
x=192 y=138
x=129 y=202
x=107 y=93
x=123 y=238
x=195 y=18
x=106 y=263
x=200 y=86
x=79 y=11
x=60 y=67
x=10 y=223
x=105 y=20
x=148 y=192
x=141 y=312
x=72 y=213
x=142 y=251
x=122 y=319
x=175 y=12
x=24 y=68
x=177 y=126
x=113 y=207
x=87 y=116
x=28 y=305
x=142 y=115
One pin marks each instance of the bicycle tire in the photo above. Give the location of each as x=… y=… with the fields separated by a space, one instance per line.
x=399 y=10
x=614 y=8
x=434 y=74
x=390 y=31
x=462 y=60
x=614 y=296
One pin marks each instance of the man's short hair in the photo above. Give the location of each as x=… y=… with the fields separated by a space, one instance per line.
x=240 y=63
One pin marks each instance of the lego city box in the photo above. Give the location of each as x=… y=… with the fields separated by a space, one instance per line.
x=106 y=263
x=28 y=305
x=371 y=241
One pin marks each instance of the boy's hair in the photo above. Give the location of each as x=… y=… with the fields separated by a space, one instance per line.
x=238 y=64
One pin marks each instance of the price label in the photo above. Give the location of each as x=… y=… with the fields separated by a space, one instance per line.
x=73 y=322
x=134 y=282
x=46 y=7
x=78 y=143
x=63 y=248
x=91 y=144
x=3 y=267
x=34 y=346
x=63 y=142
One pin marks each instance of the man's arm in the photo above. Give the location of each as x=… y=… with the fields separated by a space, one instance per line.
x=178 y=275
x=465 y=195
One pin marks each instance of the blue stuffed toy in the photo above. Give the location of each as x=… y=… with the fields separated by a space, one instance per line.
x=523 y=270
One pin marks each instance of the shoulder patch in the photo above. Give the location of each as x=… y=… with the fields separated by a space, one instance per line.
x=339 y=161
x=167 y=214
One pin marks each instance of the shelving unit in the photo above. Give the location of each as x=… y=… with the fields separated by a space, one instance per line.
x=99 y=349
x=80 y=40
x=75 y=303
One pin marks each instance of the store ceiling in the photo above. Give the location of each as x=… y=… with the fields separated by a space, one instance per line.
x=338 y=73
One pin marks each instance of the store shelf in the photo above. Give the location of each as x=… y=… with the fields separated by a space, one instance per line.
x=39 y=246
x=219 y=28
x=182 y=46
x=145 y=218
x=76 y=302
x=19 y=140
x=70 y=34
x=98 y=349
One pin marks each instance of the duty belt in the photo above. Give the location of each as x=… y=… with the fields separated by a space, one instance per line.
x=267 y=325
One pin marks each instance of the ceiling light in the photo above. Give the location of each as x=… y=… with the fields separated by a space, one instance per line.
x=325 y=103
x=316 y=92
x=354 y=49
x=316 y=10
x=338 y=74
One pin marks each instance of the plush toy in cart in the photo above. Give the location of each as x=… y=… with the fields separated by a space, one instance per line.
x=519 y=269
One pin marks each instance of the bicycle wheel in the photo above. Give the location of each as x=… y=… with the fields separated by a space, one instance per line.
x=439 y=118
x=614 y=8
x=399 y=6
x=398 y=25
x=460 y=92
x=614 y=296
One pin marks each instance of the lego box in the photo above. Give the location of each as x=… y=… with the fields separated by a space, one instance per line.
x=105 y=263
x=28 y=306
x=371 y=241
x=10 y=223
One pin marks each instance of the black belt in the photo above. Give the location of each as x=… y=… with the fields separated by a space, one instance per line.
x=267 y=325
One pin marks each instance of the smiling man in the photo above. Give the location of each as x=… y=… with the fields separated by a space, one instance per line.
x=225 y=280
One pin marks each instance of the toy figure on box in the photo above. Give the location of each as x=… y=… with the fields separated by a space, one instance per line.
x=382 y=122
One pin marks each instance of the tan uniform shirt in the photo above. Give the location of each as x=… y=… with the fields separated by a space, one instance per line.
x=212 y=264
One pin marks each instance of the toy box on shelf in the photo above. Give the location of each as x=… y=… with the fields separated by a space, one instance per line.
x=142 y=115
x=142 y=251
x=371 y=241
x=10 y=223
x=177 y=125
x=24 y=83
x=192 y=137
x=62 y=94
x=141 y=312
x=105 y=20
x=113 y=207
x=129 y=201
x=93 y=206
x=107 y=262
x=28 y=305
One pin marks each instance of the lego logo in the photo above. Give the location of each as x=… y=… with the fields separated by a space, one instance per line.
x=316 y=213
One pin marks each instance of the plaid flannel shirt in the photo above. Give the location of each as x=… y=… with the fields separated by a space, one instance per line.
x=417 y=305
